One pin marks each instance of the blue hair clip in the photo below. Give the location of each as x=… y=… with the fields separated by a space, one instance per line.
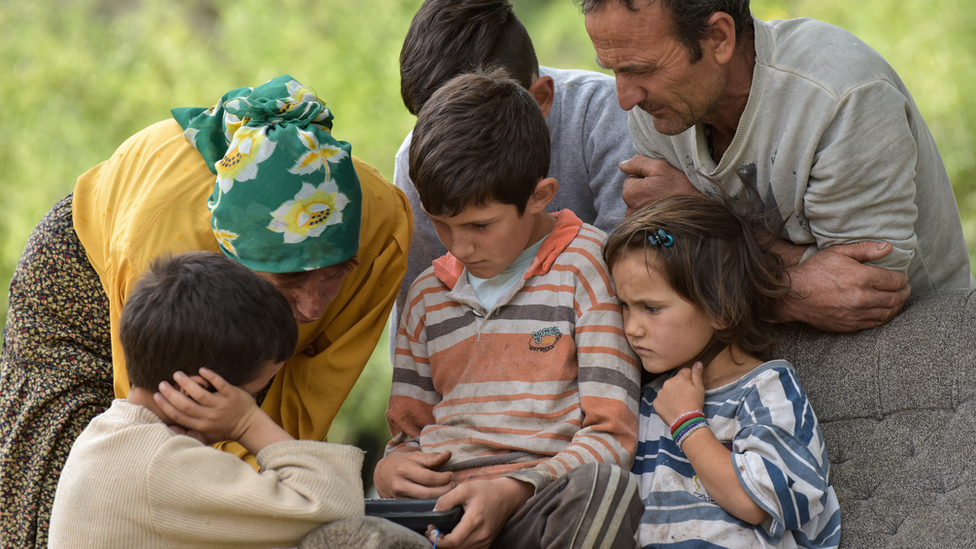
x=660 y=238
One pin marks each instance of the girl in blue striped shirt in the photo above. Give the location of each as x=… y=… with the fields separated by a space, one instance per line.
x=730 y=453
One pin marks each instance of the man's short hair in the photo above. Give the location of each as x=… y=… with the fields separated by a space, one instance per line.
x=204 y=309
x=690 y=17
x=481 y=138
x=452 y=37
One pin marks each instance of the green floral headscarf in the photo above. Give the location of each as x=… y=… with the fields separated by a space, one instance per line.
x=287 y=197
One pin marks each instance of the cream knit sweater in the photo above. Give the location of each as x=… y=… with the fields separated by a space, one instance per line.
x=130 y=481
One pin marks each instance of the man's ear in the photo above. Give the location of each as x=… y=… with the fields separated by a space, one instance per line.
x=545 y=191
x=720 y=39
x=543 y=90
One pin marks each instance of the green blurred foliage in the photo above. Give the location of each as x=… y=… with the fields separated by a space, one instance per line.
x=80 y=76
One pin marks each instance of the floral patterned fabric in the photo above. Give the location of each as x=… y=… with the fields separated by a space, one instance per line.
x=286 y=198
x=55 y=372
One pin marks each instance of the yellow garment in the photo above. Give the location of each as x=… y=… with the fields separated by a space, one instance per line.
x=150 y=199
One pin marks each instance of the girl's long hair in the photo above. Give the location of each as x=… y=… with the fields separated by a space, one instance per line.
x=715 y=262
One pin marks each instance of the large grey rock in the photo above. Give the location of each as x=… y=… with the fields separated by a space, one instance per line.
x=897 y=405
x=363 y=533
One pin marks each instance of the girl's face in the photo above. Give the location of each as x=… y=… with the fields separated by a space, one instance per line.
x=664 y=329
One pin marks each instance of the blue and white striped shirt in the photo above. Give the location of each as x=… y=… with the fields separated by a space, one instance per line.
x=765 y=419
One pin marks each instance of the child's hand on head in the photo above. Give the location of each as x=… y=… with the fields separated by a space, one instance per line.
x=208 y=417
x=683 y=392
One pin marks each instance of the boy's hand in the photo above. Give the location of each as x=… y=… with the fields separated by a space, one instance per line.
x=229 y=414
x=412 y=475
x=683 y=392
x=488 y=504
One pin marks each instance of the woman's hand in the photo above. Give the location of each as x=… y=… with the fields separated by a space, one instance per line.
x=683 y=392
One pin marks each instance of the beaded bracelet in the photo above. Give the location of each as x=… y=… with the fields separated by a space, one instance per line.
x=681 y=419
x=685 y=425
x=683 y=434
x=688 y=425
x=684 y=418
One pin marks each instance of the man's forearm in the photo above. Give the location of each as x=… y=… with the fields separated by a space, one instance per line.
x=834 y=289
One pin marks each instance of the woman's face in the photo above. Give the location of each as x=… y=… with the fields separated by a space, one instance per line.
x=309 y=292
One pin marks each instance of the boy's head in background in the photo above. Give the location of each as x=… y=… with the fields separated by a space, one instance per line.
x=203 y=309
x=451 y=37
x=479 y=159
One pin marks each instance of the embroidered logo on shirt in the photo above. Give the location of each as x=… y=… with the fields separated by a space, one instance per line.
x=545 y=339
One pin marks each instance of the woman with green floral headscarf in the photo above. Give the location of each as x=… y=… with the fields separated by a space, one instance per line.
x=258 y=177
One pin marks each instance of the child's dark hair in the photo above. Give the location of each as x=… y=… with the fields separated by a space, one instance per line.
x=451 y=37
x=481 y=138
x=715 y=263
x=204 y=309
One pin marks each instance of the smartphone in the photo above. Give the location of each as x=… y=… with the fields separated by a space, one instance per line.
x=415 y=514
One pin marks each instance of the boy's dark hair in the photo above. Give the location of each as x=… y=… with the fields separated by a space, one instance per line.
x=204 y=309
x=451 y=37
x=715 y=263
x=482 y=138
x=690 y=17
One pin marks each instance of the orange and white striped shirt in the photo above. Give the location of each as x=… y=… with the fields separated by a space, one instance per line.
x=538 y=385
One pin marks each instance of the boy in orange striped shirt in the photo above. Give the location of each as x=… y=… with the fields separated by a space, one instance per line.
x=515 y=393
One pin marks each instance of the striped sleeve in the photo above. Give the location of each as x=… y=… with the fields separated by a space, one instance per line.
x=781 y=460
x=412 y=394
x=608 y=372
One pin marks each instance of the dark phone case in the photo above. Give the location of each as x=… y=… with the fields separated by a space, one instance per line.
x=414 y=514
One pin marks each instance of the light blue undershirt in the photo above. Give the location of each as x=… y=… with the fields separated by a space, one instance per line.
x=490 y=290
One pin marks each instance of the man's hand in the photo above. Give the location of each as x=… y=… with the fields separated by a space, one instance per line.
x=650 y=181
x=413 y=475
x=836 y=292
x=488 y=504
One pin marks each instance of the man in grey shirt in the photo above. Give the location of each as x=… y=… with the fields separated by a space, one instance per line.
x=803 y=120
x=587 y=128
